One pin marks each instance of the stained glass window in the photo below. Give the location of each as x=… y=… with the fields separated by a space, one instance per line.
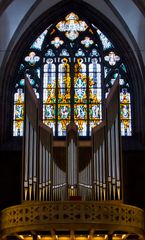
x=71 y=67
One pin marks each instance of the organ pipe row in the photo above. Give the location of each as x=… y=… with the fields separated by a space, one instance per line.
x=106 y=151
x=37 y=151
x=45 y=180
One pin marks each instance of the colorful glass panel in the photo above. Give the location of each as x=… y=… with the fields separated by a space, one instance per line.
x=72 y=77
x=39 y=41
x=105 y=41
x=18 y=113
x=125 y=112
x=94 y=53
x=87 y=42
x=80 y=111
x=51 y=124
x=80 y=53
x=112 y=58
x=48 y=111
x=62 y=124
x=82 y=127
x=95 y=111
x=57 y=42
x=32 y=58
x=72 y=26
x=63 y=111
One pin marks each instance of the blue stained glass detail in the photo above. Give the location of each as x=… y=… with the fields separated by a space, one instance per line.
x=32 y=58
x=21 y=67
x=94 y=53
x=64 y=53
x=57 y=42
x=105 y=41
x=72 y=26
x=80 y=111
x=87 y=42
x=80 y=88
x=80 y=53
x=22 y=82
x=49 y=53
x=39 y=41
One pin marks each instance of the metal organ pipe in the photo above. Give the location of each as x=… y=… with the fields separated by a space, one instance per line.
x=26 y=158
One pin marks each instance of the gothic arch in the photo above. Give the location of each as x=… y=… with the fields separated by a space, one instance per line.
x=58 y=12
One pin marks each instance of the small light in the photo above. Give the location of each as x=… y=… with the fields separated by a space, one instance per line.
x=123 y=236
x=21 y=236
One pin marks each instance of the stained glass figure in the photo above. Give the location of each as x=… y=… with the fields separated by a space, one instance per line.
x=125 y=112
x=32 y=58
x=72 y=26
x=112 y=58
x=18 y=113
x=95 y=111
x=57 y=42
x=72 y=66
x=87 y=42
x=49 y=111
x=80 y=111
x=63 y=111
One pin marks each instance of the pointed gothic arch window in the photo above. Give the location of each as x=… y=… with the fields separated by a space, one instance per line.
x=72 y=66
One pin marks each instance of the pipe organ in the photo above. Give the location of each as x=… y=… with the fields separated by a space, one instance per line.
x=37 y=152
x=72 y=160
x=107 y=152
x=44 y=179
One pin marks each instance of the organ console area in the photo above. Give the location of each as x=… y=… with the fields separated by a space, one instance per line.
x=72 y=169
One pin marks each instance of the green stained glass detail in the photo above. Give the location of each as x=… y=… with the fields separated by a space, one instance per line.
x=80 y=111
x=95 y=111
x=21 y=67
x=123 y=67
x=63 y=111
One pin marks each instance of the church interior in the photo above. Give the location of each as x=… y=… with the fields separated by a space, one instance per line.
x=72 y=135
